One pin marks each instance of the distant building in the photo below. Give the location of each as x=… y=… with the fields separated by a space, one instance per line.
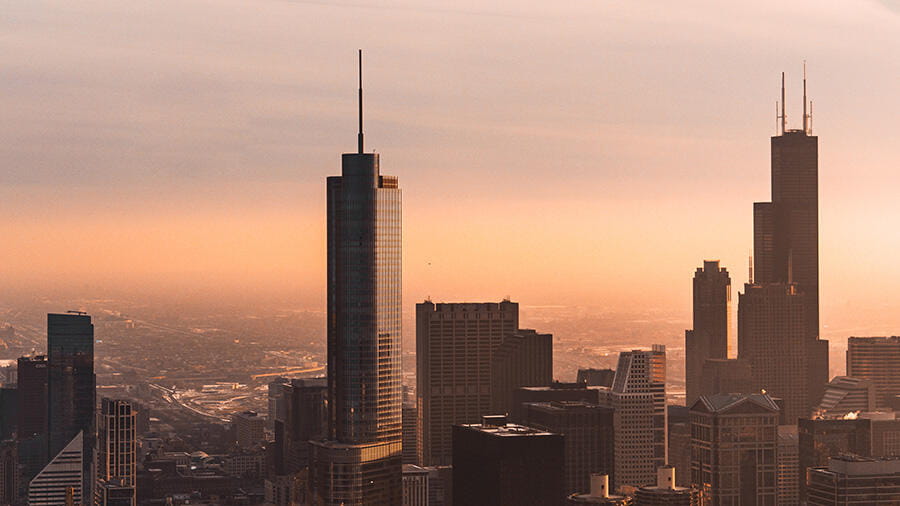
x=734 y=446
x=9 y=473
x=845 y=394
x=415 y=486
x=32 y=426
x=410 y=433
x=63 y=476
x=852 y=480
x=712 y=318
x=283 y=490
x=274 y=401
x=245 y=464
x=455 y=345
x=596 y=377
x=666 y=492
x=599 y=494
x=557 y=391
x=300 y=417
x=638 y=396
x=116 y=451
x=524 y=358
x=875 y=359
x=820 y=439
x=679 y=437
x=498 y=463
x=788 y=459
x=588 y=430
x=250 y=428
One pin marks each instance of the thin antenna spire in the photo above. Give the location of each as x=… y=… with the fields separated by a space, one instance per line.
x=805 y=115
x=810 y=117
x=360 y=134
x=750 y=263
x=777 y=117
x=783 y=115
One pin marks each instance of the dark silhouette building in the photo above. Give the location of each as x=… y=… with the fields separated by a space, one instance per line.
x=820 y=439
x=32 y=427
x=361 y=459
x=71 y=385
x=712 y=315
x=734 y=445
x=786 y=248
x=588 y=430
x=455 y=346
x=726 y=376
x=302 y=418
x=504 y=464
x=9 y=410
x=524 y=358
x=774 y=341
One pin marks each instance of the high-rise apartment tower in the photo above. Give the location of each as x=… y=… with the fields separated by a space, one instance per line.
x=360 y=461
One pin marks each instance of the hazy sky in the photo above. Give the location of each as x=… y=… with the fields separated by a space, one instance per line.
x=588 y=152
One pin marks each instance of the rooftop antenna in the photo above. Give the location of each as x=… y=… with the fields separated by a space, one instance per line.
x=360 y=134
x=810 y=117
x=783 y=115
x=750 y=264
x=805 y=115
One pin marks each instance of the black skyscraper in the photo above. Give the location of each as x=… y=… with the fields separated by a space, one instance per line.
x=786 y=237
x=33 y=432
x=71 y=386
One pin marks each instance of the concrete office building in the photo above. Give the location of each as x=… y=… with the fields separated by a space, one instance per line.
x=250 y=429
x=638 y=396
x=876 y=359
x=455 y=345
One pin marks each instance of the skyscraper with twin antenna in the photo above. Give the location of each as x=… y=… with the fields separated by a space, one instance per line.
x=360 y=462
x=776 y=323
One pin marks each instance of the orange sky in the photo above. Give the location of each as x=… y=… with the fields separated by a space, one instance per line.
x=558 y=152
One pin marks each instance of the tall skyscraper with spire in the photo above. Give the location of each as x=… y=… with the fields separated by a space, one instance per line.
x=786 y=252
x=360 y=462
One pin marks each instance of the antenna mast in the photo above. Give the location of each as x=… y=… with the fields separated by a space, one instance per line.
x=750 y=264
x=360 y=134
x=805 y=115
x=783 y=115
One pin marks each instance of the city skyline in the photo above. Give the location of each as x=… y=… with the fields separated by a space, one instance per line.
x=254 y=209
